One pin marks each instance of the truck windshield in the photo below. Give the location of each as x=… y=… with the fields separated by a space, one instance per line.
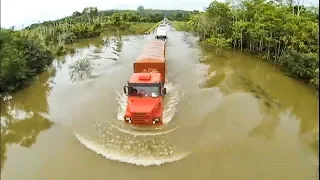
x=143 y=90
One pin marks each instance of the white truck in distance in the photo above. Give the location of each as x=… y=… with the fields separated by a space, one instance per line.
x=161 y=32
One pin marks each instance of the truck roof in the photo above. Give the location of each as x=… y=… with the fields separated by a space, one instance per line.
x=153 y=52
x=152 y=77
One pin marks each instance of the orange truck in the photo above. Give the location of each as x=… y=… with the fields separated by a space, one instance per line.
x=145 y=89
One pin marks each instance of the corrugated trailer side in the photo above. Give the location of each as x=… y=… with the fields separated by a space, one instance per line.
x=155 y=44
x=152 y=58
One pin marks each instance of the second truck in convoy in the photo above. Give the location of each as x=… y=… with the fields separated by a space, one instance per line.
x=145 y=89
x=161 y=32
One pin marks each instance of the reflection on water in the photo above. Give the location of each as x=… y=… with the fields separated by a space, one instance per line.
x=22 y=132
x=80 y=70
x=21 y=122
x=276 y=93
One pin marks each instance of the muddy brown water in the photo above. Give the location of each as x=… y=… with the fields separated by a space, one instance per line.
x=228 y=116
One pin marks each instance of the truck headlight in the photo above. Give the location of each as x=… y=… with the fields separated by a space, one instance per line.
x=127 y=119
x=156 y=120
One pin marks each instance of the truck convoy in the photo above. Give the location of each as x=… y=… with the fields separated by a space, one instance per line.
x=145 y=89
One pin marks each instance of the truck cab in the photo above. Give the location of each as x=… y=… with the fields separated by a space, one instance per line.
x=145 y=92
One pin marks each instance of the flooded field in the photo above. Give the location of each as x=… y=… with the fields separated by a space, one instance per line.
x=227 y=116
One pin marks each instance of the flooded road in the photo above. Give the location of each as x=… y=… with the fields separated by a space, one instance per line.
x=227 y=116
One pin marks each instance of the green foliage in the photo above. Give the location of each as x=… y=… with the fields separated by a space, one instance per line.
x=285 y=35
x=91 y=15
x=91 y=23
x=21 y=59
x=181 y=25
x=219 y=42
x=141 y=28
x=302 y=66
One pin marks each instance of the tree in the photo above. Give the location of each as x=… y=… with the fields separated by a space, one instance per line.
x=285 y=34
x=140 y=9
x=76 y=13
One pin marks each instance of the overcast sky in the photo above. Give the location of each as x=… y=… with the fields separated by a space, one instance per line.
x=26 y=12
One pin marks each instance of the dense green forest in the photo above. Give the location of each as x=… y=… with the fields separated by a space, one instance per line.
x=92 y=14
x=287 y=35
x=91 y=23
x=281 y=33
x=27 y=52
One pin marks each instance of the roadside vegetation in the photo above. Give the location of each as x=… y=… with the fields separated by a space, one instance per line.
x=21 y=60
x=182 y=26
x=26 y=53
x=285 y=34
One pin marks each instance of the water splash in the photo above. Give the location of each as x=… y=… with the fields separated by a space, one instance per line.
x=137 y=150
x=122 y=102
x=147 y=131
x=175 y=94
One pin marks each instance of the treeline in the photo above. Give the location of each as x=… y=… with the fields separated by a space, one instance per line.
x=140 y=15
x=91 y=23
x=284 y=34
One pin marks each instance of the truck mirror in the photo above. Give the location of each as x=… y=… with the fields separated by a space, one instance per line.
x=164 y=91
x=125 y=90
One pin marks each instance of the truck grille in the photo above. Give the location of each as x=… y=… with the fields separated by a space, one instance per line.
x=138 y=118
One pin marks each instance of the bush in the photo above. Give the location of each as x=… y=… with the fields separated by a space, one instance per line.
x=21 y=60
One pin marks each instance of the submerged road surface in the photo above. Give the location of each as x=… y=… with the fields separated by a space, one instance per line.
x=228 y=116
